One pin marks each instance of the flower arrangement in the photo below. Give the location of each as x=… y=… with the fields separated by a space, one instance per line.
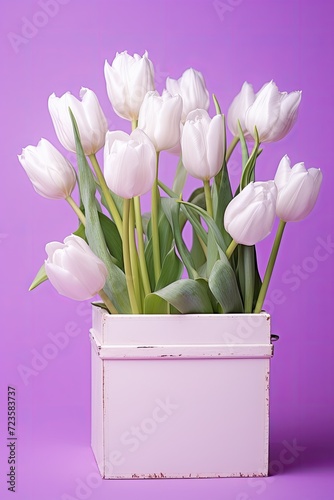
x=135 y=261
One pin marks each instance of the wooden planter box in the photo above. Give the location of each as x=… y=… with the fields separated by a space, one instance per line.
x=182 y=396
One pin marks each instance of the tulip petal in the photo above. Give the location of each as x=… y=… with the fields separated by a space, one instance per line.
x=283 y=172
x=215 y=145
x=65 y=283
x=238 y=108
x=264 y=112
x=249 y=217
x=287 y=117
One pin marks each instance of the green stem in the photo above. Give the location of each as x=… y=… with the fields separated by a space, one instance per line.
x=208 y=198
x=249 y=278
x=134 y=256
x=76 y=209
x=141 y=247
x=155 y=225
x=108 y=303
x=231 y=148
x=110 y=202
x=134 y=124
x=232 y=246
x=126 y=256
x=270 y=267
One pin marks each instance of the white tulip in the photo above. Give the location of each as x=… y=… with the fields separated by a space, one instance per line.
x=203 y=144
x=238 y=108
x=191 y=87
x=51 y=174
x=129 y=163
x=128 y=80
x=298 y=190
x=73 y=269
x=273 y=113
x=250 y=216
x=160 y=118
x=91 y=121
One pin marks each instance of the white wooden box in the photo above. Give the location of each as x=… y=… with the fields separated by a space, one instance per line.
x=180 y=396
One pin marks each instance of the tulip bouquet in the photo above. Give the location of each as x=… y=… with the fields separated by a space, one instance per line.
x=136 y=261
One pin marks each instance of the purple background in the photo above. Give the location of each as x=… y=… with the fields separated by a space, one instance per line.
x=289 y=41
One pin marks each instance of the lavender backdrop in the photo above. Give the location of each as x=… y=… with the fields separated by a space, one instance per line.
x=62 y=46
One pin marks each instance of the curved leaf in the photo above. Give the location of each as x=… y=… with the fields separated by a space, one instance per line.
x=171 y=270
x=171 y=209
x=39 y=278
x=180 y=178
x=223 y=284
x=210 y=222
x=187 y=296
x=115 y=287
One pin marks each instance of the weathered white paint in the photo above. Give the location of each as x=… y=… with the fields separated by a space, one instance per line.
x=180 y=396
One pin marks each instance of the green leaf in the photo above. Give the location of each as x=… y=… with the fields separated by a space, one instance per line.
x=149 y=263
x=257 y=279
x=146 y=217
x=210 y=222
x=113 y=239
x=166 y=243
x=171 y=209
x=171 y=270
x=101 y=305
x=212 y=252
x=187 y=296
x=249 y=168
x=248 y=275
x=244 y=147
x=221 y=197
x=115 y=287
x=39 y=278
x=217 y=105
x=117 y=199
x=197 y=252
x=165 y=235
x=249 y=266
x=180 y=178
x=81 y=232
x=224 y=287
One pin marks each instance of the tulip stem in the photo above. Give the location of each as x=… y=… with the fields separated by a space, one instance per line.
x=126 y=255
x=155 y=225
x=134 y=256
x=105 y=190
x=141 y=248
x=249 y=278
x=231 y=148
x=76 y=209
x=208 y=197
x=134 y=124
x=112 y=309
x=270 y=267
x=232 y=246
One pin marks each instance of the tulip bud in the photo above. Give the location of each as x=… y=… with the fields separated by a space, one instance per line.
x=203 y=144
x=298 y=190
x=191 y=87
x=250 y=216
x=128 y=79
x=129 y=163
x=273 y=113
x=89 y=116
x=51 y=174
x=238 y=108
x=73 y=269
x=160 y=117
